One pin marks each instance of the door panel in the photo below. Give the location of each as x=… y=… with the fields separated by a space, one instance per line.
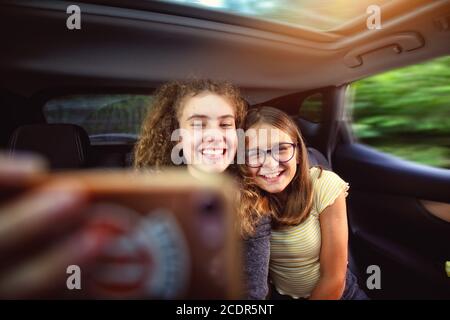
x=389 y=225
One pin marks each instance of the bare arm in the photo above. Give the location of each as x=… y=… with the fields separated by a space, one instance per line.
x=333 y=252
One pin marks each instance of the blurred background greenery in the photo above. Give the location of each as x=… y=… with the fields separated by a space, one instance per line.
x=406 y=112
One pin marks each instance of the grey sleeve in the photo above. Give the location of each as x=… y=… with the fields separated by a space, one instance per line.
x=257 y=255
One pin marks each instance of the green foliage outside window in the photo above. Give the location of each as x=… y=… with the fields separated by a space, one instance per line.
x=406 y=112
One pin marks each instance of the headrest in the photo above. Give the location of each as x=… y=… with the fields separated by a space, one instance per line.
x=317 y=158
x=63 y=145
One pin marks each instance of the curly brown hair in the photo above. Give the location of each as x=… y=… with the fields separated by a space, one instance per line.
x=154 y=146
x=256 y=203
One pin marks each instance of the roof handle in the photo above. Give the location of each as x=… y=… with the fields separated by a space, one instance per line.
x=400 y=42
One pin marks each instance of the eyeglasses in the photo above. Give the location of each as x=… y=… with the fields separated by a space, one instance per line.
x=281 y=153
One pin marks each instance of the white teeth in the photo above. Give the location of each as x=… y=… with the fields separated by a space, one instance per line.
x=271 y=175
x=213 y=152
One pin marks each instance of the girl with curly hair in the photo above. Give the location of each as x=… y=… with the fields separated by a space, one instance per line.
x=197 y=118
x=206 y=114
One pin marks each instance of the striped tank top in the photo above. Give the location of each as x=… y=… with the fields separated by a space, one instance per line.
x=294 y=251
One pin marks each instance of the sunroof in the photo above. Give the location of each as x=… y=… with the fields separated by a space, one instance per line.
x=316 y=14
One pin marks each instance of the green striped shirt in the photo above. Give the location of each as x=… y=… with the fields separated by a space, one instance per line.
x=295 y=251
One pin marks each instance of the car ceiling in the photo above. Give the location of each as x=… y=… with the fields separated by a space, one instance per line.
x=121 y=45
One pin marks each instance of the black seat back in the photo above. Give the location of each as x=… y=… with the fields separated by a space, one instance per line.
x=65 y=146
x=317 y=158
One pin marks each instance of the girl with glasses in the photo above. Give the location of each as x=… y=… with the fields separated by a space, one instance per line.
x=308 y=246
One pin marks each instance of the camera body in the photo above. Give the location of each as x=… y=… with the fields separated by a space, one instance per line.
x=176 y=239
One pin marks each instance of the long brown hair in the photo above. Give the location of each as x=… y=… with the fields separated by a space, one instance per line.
x=155 y=146
x=255 y=202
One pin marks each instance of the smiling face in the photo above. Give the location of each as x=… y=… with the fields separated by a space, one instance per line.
x=208 y=132
x=272 y=176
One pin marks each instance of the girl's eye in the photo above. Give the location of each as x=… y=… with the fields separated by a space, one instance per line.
x=227 y=125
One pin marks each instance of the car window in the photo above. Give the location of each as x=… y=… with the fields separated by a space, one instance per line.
x=406 y=112
x=311 y=108
x=108 y=119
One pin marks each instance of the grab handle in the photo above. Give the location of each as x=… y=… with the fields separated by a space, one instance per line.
x=401 y=42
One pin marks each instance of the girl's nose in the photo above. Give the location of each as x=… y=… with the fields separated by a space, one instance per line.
x=213 y=135
x=270 y=162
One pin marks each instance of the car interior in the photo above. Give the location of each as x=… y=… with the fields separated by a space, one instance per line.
x=129 y=47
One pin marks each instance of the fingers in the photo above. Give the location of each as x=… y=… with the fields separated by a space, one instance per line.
x=47 y=272
x=20 y=165
x=40 y=210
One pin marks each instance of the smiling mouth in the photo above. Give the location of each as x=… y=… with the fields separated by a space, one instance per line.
x=271 y=177
x=213 y=154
